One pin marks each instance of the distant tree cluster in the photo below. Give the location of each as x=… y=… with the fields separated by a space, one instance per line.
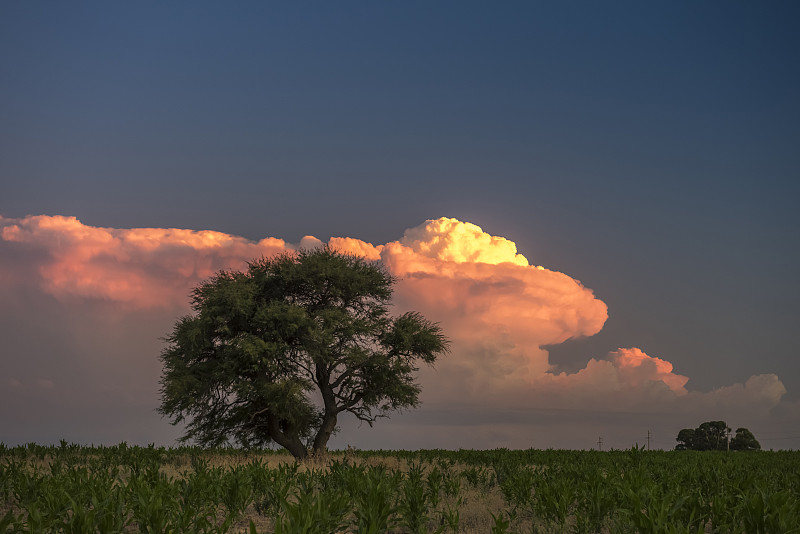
x=713 y=436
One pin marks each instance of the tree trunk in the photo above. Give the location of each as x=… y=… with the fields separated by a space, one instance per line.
x=289 y=442
x=297 y=449
x=324 y=433
x=328 y=425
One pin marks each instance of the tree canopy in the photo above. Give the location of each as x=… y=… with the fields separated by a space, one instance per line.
x=275 y=353
x=713 y=436
x=744 y=440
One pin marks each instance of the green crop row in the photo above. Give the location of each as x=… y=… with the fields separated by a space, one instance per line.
x=157 y=490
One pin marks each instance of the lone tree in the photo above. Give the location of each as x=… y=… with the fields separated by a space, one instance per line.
x=277 y=352
x=713 y=436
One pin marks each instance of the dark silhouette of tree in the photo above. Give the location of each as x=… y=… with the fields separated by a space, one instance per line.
x=713 y=436
x=277 y=352
x=685 y=439
x=744 y=440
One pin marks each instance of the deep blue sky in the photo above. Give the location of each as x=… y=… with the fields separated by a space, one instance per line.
x=650 y=150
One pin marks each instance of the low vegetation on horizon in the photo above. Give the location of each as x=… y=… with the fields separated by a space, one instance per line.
x=75 y=489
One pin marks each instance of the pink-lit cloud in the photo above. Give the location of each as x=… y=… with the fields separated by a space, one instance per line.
x=139 y=267
x=499 y=310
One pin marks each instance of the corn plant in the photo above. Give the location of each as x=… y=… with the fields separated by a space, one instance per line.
x=501 y=525
x=597 y=497
x=199 y=494
x=764 y=512
x=374 y=501
x=451 y=516
x=478 y=477
x=7 y=521
x=555 y=496
x=313 y=511
x=414 y=501
x=153 y=502
x=517 y=485
x=652 y=511
x=433 y=486
x=111 y=510
x=237 y=494
x=273 y=488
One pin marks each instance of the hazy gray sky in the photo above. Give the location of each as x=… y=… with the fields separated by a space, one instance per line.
x=647 y=151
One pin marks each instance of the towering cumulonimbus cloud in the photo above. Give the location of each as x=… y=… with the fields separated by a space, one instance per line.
x=497 y=308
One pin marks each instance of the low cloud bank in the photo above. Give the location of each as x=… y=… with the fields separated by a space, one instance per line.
x=498 y=309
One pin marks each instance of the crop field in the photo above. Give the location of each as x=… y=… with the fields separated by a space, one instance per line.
x=74 y=489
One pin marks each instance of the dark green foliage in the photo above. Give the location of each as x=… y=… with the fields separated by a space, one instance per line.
x=414 y=503
x=373 y=493
x=243 y=368
x=501 y=524
x=744 y=440
x=314 y=508
x=685 y=440
x=713 y=436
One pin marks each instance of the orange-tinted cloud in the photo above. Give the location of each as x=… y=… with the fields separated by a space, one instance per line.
x=636 y=367
x=498 y=309
x=356 y=247
x=139 y=267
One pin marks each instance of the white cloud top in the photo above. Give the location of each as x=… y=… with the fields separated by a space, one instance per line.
x=461 y=242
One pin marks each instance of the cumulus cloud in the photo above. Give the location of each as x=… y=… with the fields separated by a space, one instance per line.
x=621 y=372
x=310 y=242
x=356 y=247
x=452 y=240
x=139 y=267
x=498 y=309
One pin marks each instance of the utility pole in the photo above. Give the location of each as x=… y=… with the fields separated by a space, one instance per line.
x=600 y=443
x=648 y=439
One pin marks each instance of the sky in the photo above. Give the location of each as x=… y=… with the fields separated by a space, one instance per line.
x=595 y=201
